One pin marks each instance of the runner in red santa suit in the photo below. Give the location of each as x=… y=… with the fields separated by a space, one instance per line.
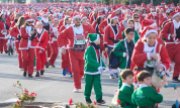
x=27 y=45
x=42 y=37
x=112 y=35
x=149 y=54
x=171 y=35
x=65 y=65
x=76 y=36
x=15 y=32
x=3 y=33
x=54 y=44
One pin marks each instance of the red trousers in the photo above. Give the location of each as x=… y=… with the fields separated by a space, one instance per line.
x=54 y=53
x=28 y=60
x=19 y=54
x=48 y=50
x=174 y=54
x=77 y=66
x=40 y=59
x=3 y=46
x=65 y=61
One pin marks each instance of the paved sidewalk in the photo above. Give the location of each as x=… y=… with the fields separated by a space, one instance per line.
x=53 y=87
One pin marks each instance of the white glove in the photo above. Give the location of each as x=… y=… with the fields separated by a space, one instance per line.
x=101 y=69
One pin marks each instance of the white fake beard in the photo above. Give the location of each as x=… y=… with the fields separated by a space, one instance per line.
x=176 y=24
x=28 y=29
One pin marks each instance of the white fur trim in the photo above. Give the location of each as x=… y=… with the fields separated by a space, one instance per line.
x=143 y=85
x=76 y=16
x=29 y=20
x=178 y=13
x=92 y=73
x=149 y=32
x=115 y=17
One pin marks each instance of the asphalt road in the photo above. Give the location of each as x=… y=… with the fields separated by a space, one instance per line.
x=53 y=87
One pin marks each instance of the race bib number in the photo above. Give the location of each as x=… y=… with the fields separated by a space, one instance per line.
x=79 y=42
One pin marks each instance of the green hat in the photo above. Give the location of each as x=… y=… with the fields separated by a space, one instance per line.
x=93 y=37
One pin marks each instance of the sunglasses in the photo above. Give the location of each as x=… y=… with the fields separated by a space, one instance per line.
x=136 y=17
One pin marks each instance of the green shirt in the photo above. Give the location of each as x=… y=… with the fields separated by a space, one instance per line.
x=91 y=61
x=146 y=97
x=125 y=96
x=136 y=36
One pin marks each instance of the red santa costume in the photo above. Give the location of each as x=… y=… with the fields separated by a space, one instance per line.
x=76 y=45
x=26 y=46
x=112 y=36
x=142 y=54
x=15 y=32
x=2 y=36
x=41 y=46
x=54 y=46
x=65 y=65
x=102 y=25
x=171 y=34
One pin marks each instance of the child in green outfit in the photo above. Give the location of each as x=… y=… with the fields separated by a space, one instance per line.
x=146 y=96
x=126 y=89
x=93 y=68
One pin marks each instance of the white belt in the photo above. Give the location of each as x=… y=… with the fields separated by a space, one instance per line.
x=172 y=43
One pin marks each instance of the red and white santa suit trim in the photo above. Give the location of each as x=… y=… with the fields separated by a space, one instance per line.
x=2 y=37
x=41 y=49
x=142 y=53
x=75 y=36
x=65 y=56
x=110 y=37
x=15 y=32
x=26 y=47
x=54 y=46
x=172 y=39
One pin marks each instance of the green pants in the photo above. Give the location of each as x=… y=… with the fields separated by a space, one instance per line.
x=90 y=81
x=119 y=82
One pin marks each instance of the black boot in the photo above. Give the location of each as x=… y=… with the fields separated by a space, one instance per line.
x=47 y=65
x=30 y=76
x=100 y=102
x=24 y=74
x=37 y=74
x=176 y=80
x=88 y=101
x=42 y=72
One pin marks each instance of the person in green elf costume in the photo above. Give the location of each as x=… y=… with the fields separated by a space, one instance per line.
x=146 y=96
x=93 y=68
x=123 y=50
x=126 y=89
x=130 y=24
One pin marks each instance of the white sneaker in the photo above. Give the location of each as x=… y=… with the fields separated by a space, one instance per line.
x=76 y=90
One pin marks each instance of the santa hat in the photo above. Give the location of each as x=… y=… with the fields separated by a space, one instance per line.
x=28 y=18
x=148 y=31
x=175 y=14
x=113 y=16
x=93 y=37
x=147 y=22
